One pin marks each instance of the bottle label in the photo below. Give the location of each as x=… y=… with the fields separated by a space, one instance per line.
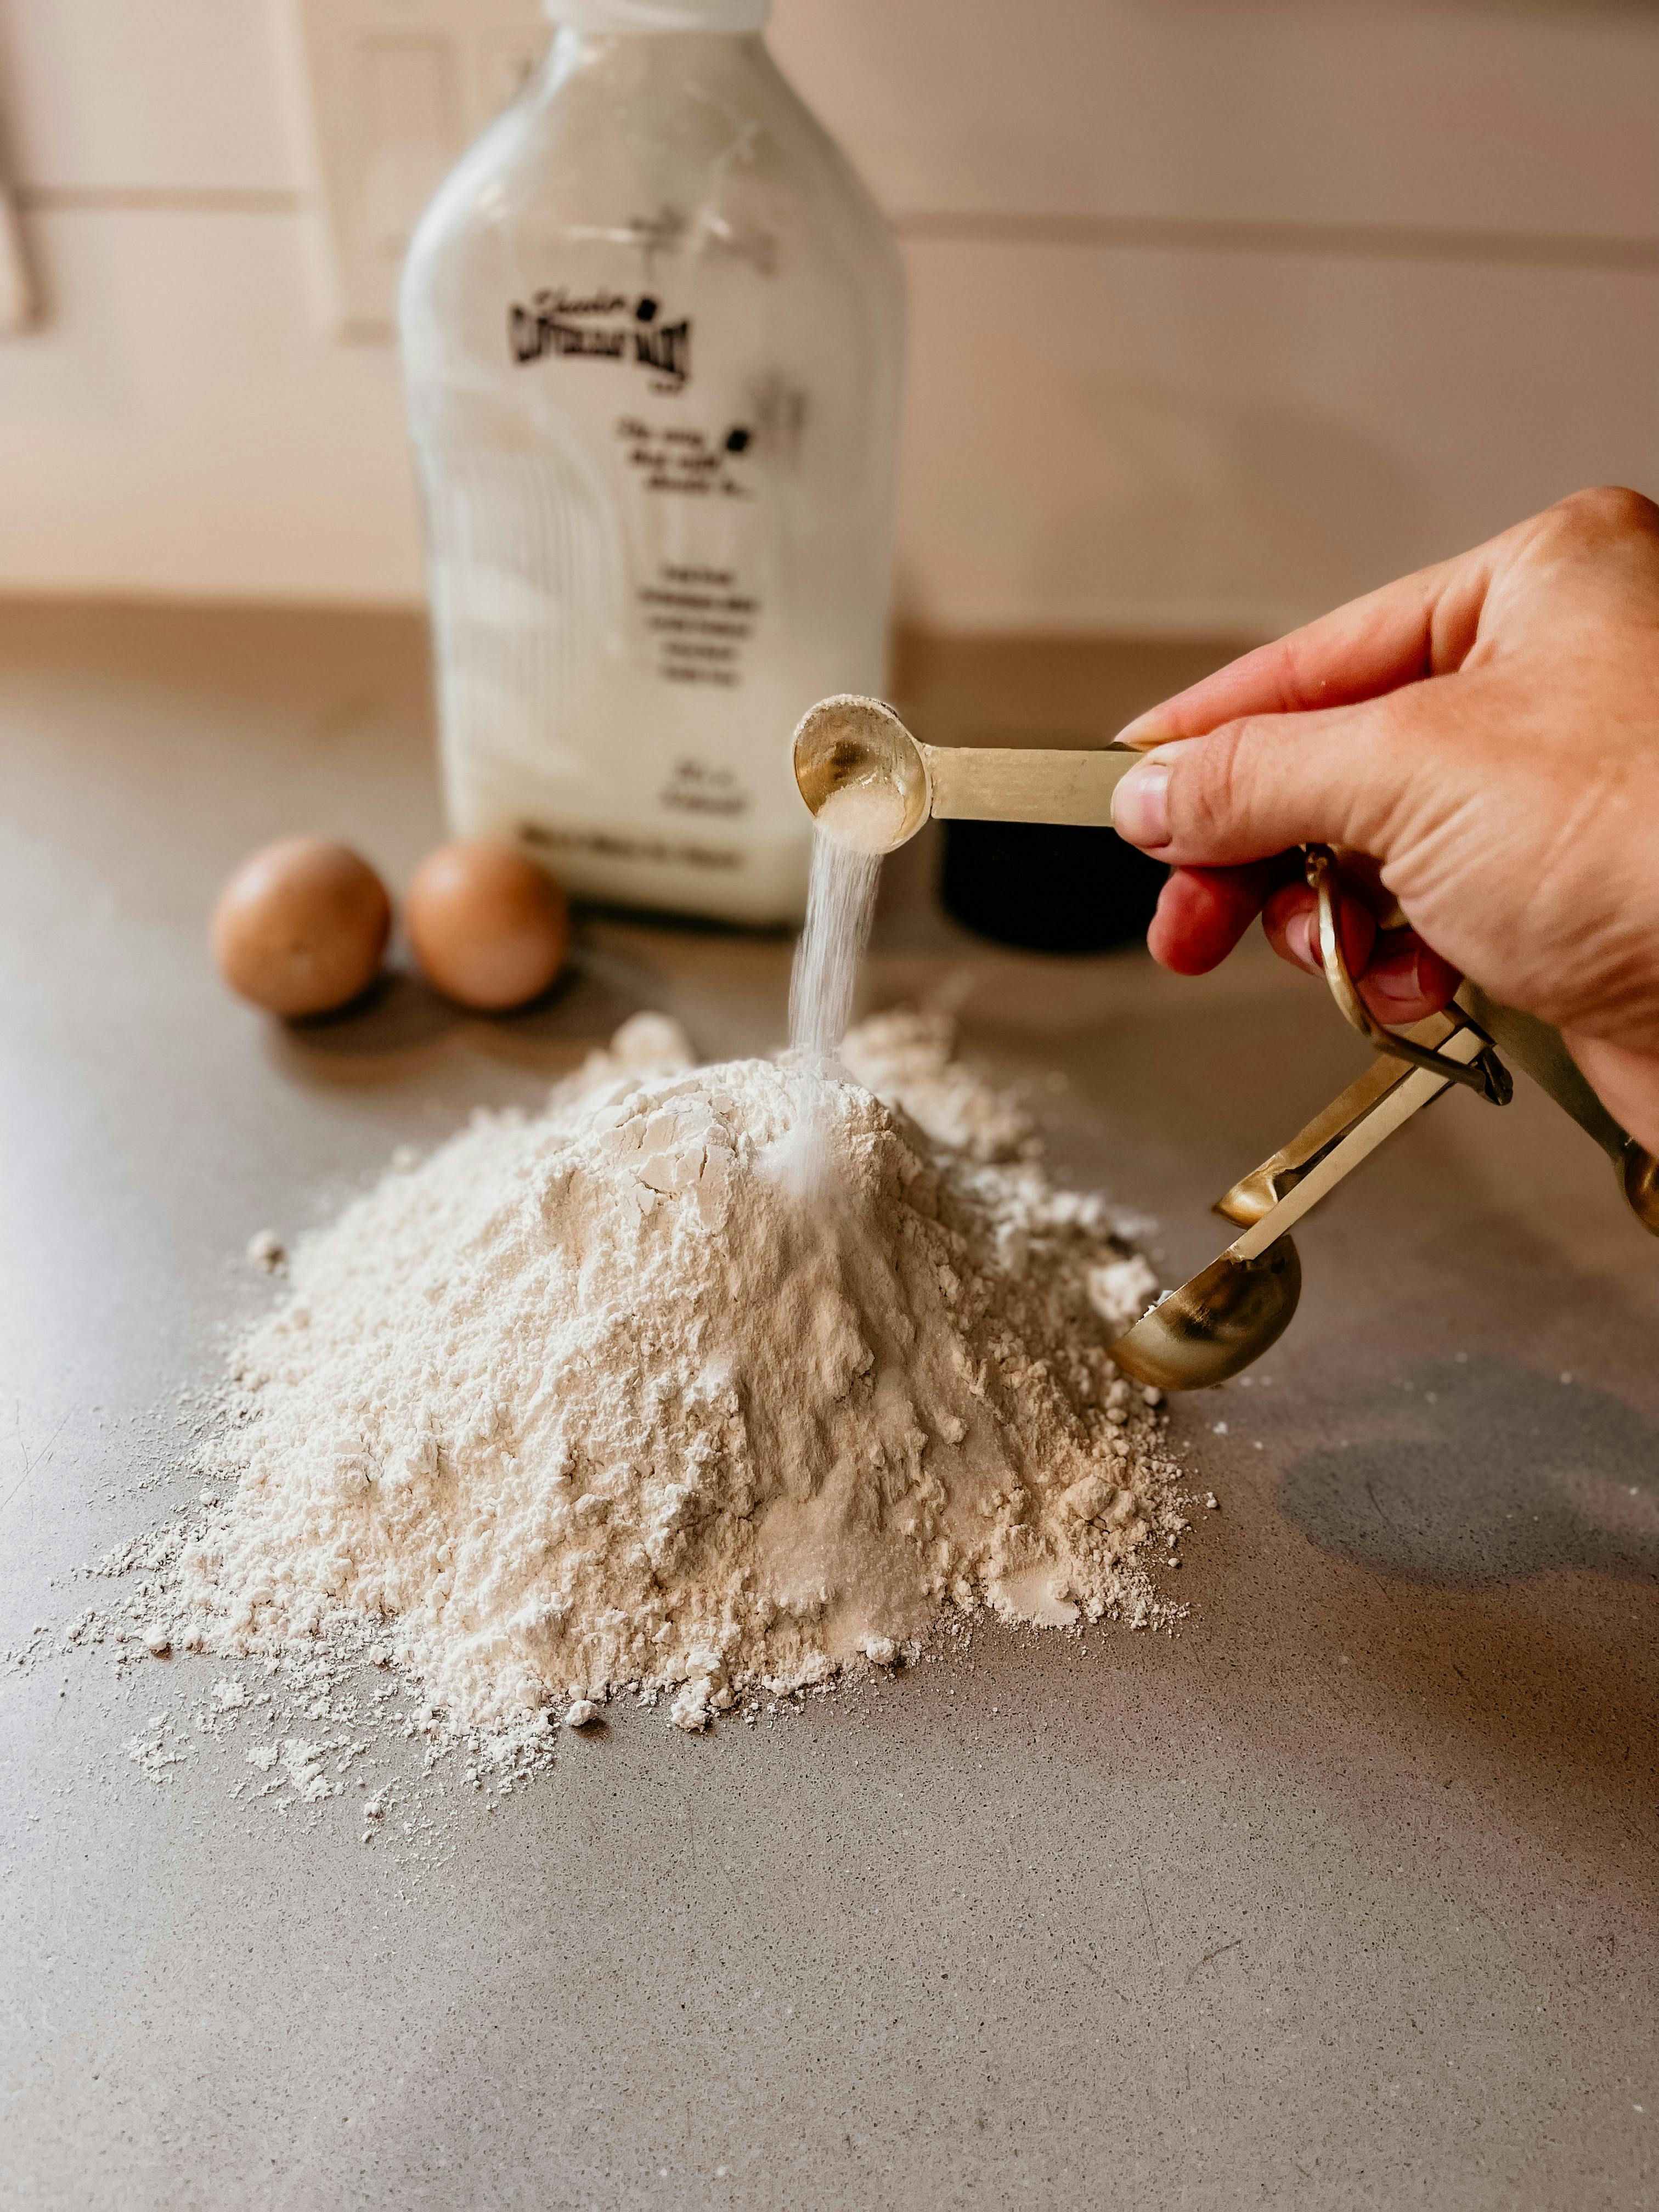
x=695 y=616
x=602 y=325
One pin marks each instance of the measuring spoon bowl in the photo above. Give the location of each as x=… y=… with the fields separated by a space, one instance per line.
x=1217 y=1324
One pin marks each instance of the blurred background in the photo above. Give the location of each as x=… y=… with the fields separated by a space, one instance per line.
x=1222 y=310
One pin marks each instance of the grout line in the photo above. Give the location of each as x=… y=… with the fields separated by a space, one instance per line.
x=160 y=199
x=1181 y=234
x=1228 y=234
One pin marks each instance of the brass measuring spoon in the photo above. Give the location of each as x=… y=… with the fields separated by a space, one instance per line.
x=852 y=742
x=1229 y=1314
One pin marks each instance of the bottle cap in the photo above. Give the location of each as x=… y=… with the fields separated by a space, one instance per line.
x=734 y=15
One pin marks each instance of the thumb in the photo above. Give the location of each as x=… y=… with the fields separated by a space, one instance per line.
x=1346 y=775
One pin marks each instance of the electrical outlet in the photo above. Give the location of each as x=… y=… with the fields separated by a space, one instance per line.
x=393 y=92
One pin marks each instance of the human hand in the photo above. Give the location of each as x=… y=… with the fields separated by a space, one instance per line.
x=1481 y=742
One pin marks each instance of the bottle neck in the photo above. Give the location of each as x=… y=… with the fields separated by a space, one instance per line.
x=660 y=18
x=678 y=59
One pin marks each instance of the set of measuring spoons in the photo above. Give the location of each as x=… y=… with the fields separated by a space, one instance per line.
x=1230 y=1312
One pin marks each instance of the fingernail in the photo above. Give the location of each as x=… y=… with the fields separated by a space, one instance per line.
x=1147 y=729
x=1395 y=985
x=1140 y=804
x=1299 y=938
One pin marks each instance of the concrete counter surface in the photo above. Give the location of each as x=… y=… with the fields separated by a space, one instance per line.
x=1346 y=1894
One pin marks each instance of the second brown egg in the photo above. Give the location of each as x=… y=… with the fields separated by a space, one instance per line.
x=489 y=928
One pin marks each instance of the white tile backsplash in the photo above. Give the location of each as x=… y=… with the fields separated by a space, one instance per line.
x=1147 y=441
x=144 y=94
x=1229 y=443
x=1483 y=116
x=1169 y=436
x=182 y=423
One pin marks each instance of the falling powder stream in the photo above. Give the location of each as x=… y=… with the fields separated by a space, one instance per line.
x=840 y=905
x=855 y=827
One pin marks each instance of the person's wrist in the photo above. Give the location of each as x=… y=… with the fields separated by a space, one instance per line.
x=1625 y=1078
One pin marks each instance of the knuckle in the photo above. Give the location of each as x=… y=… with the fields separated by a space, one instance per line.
x=1288 y=666
x=1212 y=788
x=1605 y=515
x=1390 y=764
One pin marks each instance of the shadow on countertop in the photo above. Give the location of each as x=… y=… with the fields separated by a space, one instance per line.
x=1481 y=1473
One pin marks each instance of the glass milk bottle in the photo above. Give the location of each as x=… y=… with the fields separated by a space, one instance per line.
x=652 y=332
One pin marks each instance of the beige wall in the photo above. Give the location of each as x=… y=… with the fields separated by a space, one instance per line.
x=1222 y=309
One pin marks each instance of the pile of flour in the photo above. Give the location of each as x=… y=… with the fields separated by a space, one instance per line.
x=609 y=1397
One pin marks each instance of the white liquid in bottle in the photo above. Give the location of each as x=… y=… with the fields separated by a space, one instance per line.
x=652 y=332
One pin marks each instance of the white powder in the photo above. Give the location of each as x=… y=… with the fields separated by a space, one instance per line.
x=868 y=817
x=597 y=1398
x=855 y=826
x=840 y=905
x=157 y=1748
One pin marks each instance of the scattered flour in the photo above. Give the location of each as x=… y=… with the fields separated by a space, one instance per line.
x=264 y=1252
x=599 y=1399
x=156 y=1747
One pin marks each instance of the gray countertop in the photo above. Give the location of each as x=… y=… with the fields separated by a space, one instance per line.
x=1346 y=1894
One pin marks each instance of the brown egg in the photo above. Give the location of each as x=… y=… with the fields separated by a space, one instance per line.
x=301 y=927
x=488 y=926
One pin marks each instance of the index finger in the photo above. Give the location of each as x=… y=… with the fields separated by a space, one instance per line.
x=1422 y=625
